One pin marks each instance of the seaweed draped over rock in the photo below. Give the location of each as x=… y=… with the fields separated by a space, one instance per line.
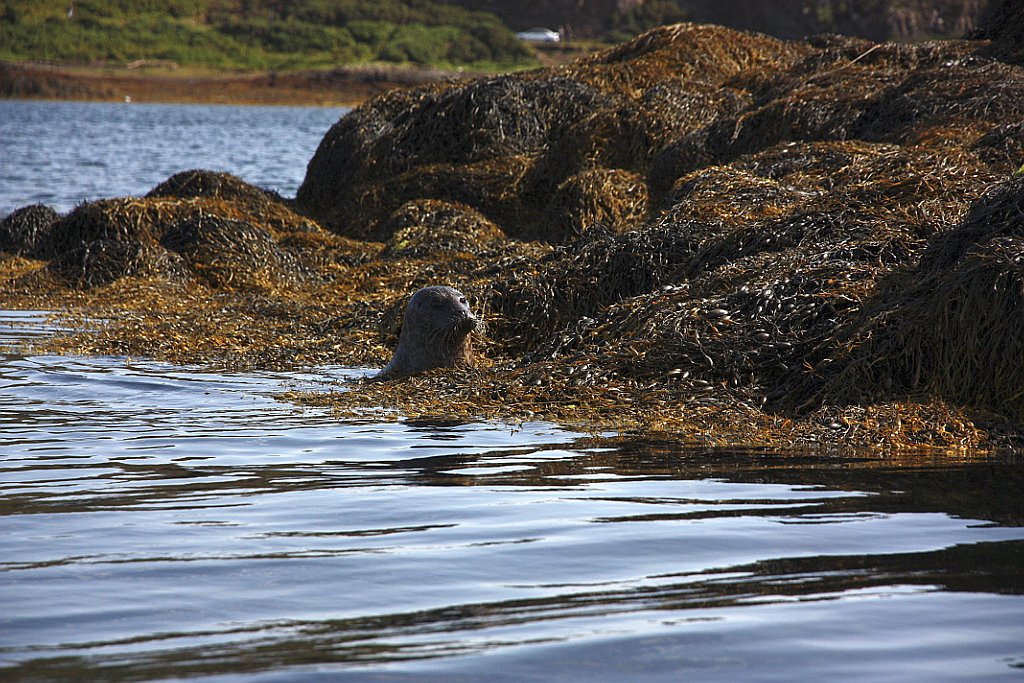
x=607 y=103
x=951 y=325
x=733 y=210
x=472 y=123
x=28 y=231
x=212 y=227
x=428 y=226
x=787 y=242
x=673 y=101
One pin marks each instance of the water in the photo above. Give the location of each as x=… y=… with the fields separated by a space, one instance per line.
x=166 y=522
x=64 y=153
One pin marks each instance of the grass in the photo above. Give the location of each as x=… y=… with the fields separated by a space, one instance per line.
x=257 y=34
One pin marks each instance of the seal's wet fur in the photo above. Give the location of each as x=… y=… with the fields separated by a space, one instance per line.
x=436 y=333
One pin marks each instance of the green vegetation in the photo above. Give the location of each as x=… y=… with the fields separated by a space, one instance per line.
x=636 y=19
x=256 y=34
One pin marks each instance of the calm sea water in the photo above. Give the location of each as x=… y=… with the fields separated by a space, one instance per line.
x=63 y=153
x=163 y=522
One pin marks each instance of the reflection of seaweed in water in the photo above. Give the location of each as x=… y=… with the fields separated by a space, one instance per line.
x=984 y=489
x=464 y=629
x=971 y=490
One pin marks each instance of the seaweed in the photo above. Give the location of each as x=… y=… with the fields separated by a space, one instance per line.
x=615 y=199
x=732 y=237
x=425 y=227
x=229 y=254
x=28 y=231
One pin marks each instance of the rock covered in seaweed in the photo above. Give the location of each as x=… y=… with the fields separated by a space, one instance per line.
x=950 y=326
x=211 y=226
x=611 y=198
x=203 y=183
x=226 y=253
x=524 y=115
x=28 y=231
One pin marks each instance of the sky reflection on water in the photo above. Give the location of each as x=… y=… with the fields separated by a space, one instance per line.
x=165 y=522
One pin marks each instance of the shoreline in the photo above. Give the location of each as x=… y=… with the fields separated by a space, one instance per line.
x=341 y=86
x=168 y=83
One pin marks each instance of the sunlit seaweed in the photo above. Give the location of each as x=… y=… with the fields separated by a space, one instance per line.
x=730 y=237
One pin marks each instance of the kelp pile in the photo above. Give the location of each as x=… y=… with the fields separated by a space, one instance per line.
x=26 y=232
x=732 y=237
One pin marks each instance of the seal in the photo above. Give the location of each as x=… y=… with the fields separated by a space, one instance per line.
x=435 y=333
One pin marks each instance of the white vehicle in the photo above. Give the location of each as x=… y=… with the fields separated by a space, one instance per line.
x=539 y=35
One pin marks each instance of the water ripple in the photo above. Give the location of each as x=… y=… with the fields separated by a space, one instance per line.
x=193 y=524
x=64 y=153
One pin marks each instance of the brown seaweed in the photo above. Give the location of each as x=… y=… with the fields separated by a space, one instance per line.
x=716 y=233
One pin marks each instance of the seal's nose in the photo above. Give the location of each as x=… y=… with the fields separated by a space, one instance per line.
x=468 y=323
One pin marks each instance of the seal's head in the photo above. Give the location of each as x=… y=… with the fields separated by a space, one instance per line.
x=435 y=333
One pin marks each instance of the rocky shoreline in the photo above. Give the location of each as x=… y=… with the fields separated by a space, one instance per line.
x=729 y=237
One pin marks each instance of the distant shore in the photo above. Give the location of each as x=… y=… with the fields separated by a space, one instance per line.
x=344 y=86
x=166 y=82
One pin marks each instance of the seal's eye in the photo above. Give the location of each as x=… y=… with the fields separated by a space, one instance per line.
x=462 y=300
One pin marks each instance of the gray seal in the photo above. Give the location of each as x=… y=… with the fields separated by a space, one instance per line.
x=435 y=333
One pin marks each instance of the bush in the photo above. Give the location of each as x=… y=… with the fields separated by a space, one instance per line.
x=373 y=34
x=256 y=33
x=291 y=37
